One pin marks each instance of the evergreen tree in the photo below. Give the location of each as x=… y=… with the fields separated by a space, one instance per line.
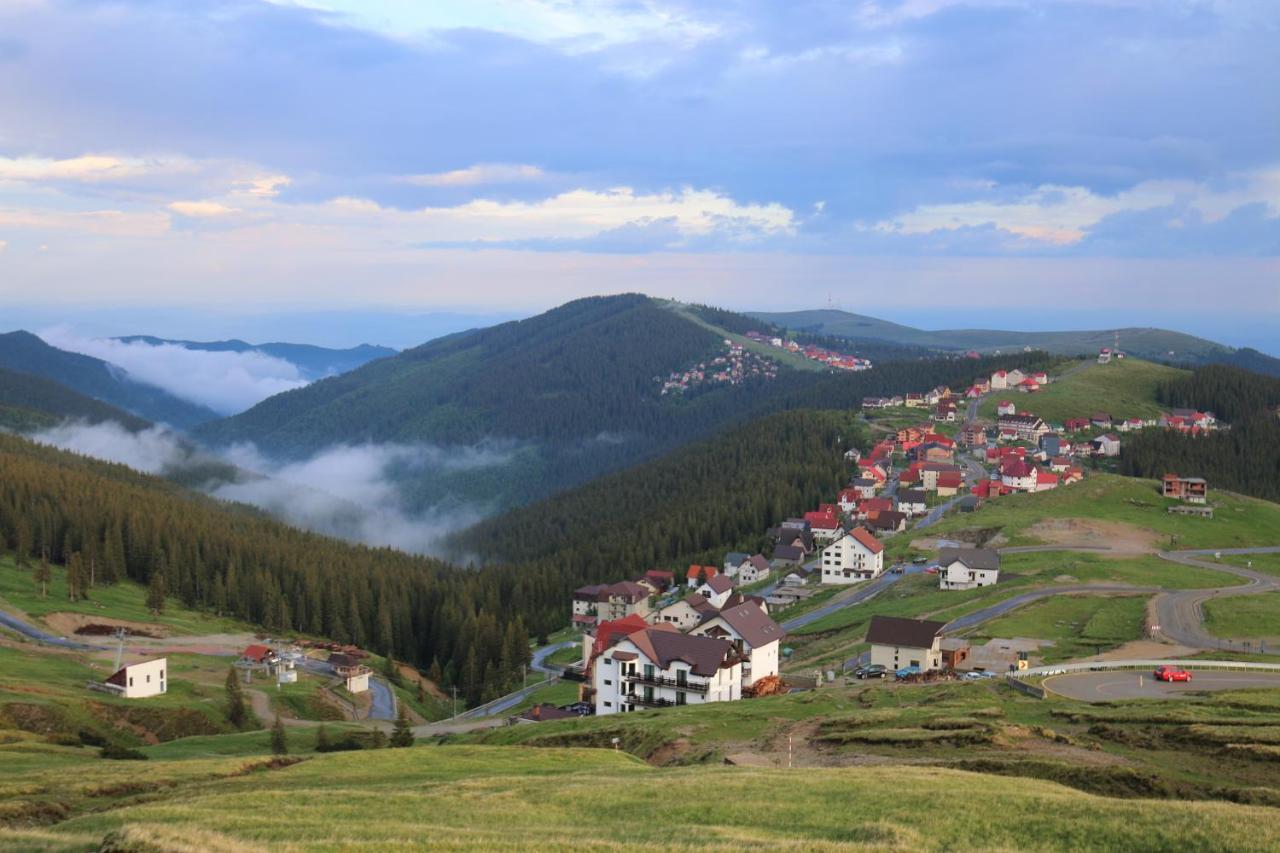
x=322 y=739
x=43 y=576
x=75 y=579
x=402 y=734
x=279 y=744
x=156 y=593
x=237 y=714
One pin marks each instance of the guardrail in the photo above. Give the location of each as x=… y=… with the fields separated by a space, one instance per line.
x=1104 y=666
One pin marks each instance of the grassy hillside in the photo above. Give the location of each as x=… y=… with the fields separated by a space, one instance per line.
x=492 y=798
x=1147 y=342
x=23 y=352
x=1122 y=389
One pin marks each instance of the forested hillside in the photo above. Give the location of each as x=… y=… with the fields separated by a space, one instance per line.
x=31 y=402
x=1243 y=458
x=25 y=353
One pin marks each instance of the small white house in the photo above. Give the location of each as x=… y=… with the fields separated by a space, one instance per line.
x=716 y=590
x=897 y=642
x=968 y=568
x=358 y=682
x=856 y=556
x=140 y=680
x=754 y=568
x=686 y=613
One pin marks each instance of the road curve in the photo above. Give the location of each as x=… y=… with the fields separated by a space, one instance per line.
x=1116 y=685
x=31 y=631
x=1180 y=613
x=857 y=594
x=976 y=618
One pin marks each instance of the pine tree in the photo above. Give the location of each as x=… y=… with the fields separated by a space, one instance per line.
x=322 y=739
x=43 y=576
x=237 y=715
x=279 y=745
x=75 y=576
x=156 y=593
x=401 y=734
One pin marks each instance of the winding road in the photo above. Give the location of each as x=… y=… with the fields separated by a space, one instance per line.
x=853 y=596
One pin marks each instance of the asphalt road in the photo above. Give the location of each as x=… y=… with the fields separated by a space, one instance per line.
x=976 y=618
x=1180 y=615
x=35 y=633
x=539 y=663
x=383 y=705
x=855 y=595
x=1110 y=686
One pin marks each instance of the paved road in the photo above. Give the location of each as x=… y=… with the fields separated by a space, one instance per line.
x=986 y=614
x=539 y=663
x=1110 y=686
x=383 y=704
x=1180 y=614
x=36 y=634
x=855 y=595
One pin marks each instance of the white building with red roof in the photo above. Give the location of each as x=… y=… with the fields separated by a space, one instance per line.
x=856 y=556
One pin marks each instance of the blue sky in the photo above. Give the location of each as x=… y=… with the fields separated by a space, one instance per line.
x=1014 y=161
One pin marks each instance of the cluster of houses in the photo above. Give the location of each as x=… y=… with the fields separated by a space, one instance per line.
x=734 y=366
x=832 y=359
x=944 y=402
x=677 y=644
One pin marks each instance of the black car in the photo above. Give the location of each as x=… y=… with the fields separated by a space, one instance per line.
x=874 y=670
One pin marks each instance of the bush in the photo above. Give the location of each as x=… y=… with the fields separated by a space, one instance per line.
x=116 y=752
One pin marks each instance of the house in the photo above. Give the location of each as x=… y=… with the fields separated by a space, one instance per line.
x=754 y=568
x=687 y=613
x=755 y=637
x=872 y=470
x=955 y=651
x=853 y=454
x=875 y=402
x=944 y=412
x=973 y=435
x=931 y=471
x=856 y=556
x=912 y=502
x=871 y=505
x=352 y=669
x=949 y=483
x=622 y=599
x=1014 y=378
x=987 y=489
x=1131 y=424
x=1101 y=420
x=1051 y=444
x=887 y=521
x=697 y=575
x=914 y=401
x=1025 y=427
x=933 y=452
x=788 y=554
x=1106 y=445
x=1045 y=480
x=797 y=576
x=825 y=524
x=584 y=605
x=661 y=579
x=1039 y=377
x=897 y=642
x=1058 y=464
x=606 y=634
x=1076 y=424
x=969 y=503
x=716 y=590
x=1018 y=475
x=968 y=568
x=1104 y=355
x=660 y=667
x=259 y=655
x=1193 y=490
x=999 y=379
x=732 y=561
x=140 y=680
x=1028 y=386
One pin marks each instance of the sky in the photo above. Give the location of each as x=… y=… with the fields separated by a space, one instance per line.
x=264 y=169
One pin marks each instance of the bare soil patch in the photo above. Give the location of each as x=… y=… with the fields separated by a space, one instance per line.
x=67 y=624
x=412 y=676
x=1120 y=538
x=1144 y=650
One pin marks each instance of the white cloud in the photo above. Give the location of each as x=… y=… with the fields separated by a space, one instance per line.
x=227 y=382
x=88 y=168
x=201 y=209
x=480 y=173
x=150 y=451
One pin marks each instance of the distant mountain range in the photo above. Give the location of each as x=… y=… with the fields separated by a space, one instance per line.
x=312 y=361
x=1150 y=343
x=29 y=402
x=94 y=378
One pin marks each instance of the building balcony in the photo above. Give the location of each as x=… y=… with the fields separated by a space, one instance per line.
x=663 y=681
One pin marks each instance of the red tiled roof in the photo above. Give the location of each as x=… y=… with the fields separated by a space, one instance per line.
x=864 y=536
x=257 y=652
x=1043 y=476
x=949 y=480
x=710 y=571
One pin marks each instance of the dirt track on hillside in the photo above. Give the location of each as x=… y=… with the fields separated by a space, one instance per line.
x=1086 y=532
x=67 y=624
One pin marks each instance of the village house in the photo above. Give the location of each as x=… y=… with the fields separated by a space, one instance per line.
x=1101 y=420
x=999 y=379
x=968 y=568
x=1104 y=355
x=853 y=454
x=660 y=667
x=949 y=483
x=1006 y=407
x=1018 y=475
x=660 y=579
x=697 y=575
x=754 y=568
x=622 y=599
x=914 y=401
x=352 y=669
x=934 y=452
x=717 y=590
x=945 y=412
x=687 y=613
x=1025 y=427
x=856 y=556
x=584 y=606
x=870 y=505
x=1106 y=445
x=1076 y=424
x=887 y=521
x=1014 y=378
x=1131 y=424
x=929 y=473
x=755 y=637
x=732 y=561
x=140 y=680
x=1193 y=490
x=825 y=524
x=788 y=554
x=973 y=435
x=1051 y=444
x=912 y=502
x=897 y=642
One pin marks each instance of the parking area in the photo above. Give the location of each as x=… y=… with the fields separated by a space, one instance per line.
x=1111 y=686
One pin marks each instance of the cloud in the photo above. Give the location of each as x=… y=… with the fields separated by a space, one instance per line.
x=201 y=209
x=227 y=382
x=481 y=173
x=347 y=491
x=89 y=168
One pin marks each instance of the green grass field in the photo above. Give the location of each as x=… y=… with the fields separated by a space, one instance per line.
x=1123 y=389
x=491 y=798
x=123 y=600
x=1253 y=616
x=1238 y=521
x=1077 y=625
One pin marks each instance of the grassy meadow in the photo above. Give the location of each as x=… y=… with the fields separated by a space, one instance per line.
x=1123 y=389
x=1077 y=625
x=1255 y=617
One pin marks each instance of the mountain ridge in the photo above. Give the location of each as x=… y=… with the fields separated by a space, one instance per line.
x=315 y=362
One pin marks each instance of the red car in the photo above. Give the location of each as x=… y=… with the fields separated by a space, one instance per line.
x=1171 y=673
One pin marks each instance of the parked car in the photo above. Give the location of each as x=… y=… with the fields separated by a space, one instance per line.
x=932 y=570
x=898 y=569
x=920 y=560
x=1171 y=673
x=875 y=670
x=907 y=672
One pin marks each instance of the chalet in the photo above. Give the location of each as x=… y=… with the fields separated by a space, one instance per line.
x=1076 y=424
x=1058 y=464
x=697 y=575
x=259 y=655
x=605 y=635
x=848 y=499
x=1193 y=490
x=872 y=471
x=350 y=668
x=856 y=556
x=987 y=489
x=909 y=434
x=755 y=637
x=973 y=435
x=584 y=605
x=685 y=614
x=968 y=568
x=789 y=554
x=949 y=483
x=870 y=505
x=933 y=452
x=974 y=392
x=797 y=576
x=1039 y=377
x=1006 y=407
x=1106 y=445
x=661 y=579
x=1028 y=386
x=1045 y=480
x=1027 y=427
x=716 y=590
x=912 y=502
x=1074 y=474
x=139 y=680
x=1131 y=424
x=791 y=537
x=754 y=568
x=887 y=521
x=897 y=642
x=1014 y=378
x=825 y=524
x=660 y=667
x=853 y=454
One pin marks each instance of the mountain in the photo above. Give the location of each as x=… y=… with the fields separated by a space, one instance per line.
x=1157 y=344
x=30 y=402
x=313 y=362
x=1250 y=359
x=25 y=353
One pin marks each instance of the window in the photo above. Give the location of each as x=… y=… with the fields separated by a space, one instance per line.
x=680 y=698
x=608 y=683
x=608 y=704
x=131 y=681
x=682 y=677
x=148 y=679
x=915 y=663
x=608 y=661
